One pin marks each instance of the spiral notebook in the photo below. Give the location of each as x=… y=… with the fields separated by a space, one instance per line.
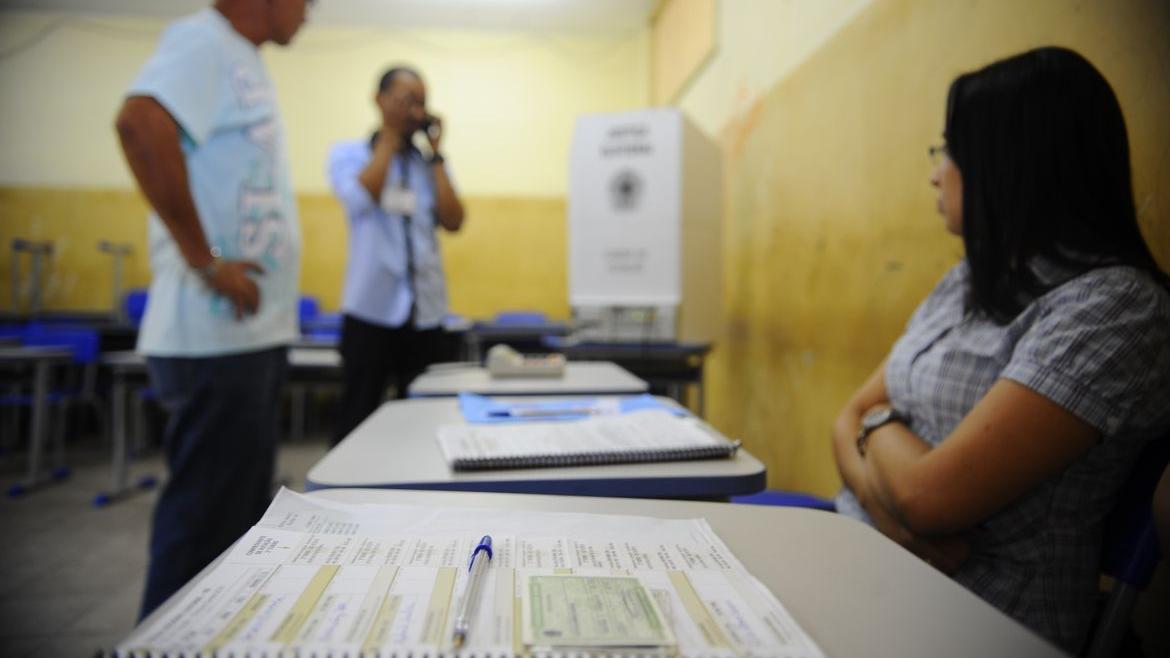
x=652 y=435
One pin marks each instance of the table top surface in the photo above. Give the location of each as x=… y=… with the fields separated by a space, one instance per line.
x=580 y=378
x=628 y=349
x=34 y=354
x=316 y=343
x=396 y=447
x=298 y=357
x=855 y=592
x=493 y=328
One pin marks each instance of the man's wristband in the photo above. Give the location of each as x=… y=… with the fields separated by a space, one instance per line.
x=207 y=272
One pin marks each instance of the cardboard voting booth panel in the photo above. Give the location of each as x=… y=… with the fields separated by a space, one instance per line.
x=645 y=246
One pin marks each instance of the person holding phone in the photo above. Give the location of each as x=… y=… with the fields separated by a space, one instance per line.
x=395 y=198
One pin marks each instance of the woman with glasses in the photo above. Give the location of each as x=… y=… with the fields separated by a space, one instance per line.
x=992 y=439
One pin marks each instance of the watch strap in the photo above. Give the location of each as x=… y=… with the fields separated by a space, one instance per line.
x=870 y=423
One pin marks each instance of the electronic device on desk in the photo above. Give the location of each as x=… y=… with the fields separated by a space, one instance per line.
x=503 y=361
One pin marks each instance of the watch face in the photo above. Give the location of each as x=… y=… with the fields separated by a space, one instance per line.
x=877 y=418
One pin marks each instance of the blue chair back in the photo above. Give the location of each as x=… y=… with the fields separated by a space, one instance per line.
x=780 y=498
x=82 y=341
x=520 y=318
x=134 y=305
x=308 y=309
x=12 y=331
x=1131 y=552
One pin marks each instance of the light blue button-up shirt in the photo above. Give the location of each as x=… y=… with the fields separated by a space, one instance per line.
x=377 y=288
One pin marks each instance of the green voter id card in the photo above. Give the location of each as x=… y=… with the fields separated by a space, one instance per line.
x=592 y=611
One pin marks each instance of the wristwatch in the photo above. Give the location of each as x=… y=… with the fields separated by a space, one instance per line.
x=874 y=420
x=207 y=272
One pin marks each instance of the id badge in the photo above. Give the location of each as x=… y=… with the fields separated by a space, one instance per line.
x=398 y=201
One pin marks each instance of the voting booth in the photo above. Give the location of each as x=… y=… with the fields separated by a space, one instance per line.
x=645 y=246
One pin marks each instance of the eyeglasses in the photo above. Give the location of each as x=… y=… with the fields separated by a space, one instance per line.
x=938 y=152
x=410 y=100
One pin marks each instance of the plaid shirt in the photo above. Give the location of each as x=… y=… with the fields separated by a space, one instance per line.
x=1097 y=345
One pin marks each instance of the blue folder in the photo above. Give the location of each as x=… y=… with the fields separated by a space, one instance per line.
x=483 y=409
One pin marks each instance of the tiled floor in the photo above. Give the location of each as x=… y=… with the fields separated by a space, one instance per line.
x=71 y=575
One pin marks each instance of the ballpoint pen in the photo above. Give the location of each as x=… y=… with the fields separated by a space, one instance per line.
x=476 y=568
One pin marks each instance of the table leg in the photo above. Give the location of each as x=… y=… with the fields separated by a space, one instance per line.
x=40 y=419
x=299 y=394
x=700 y=392
x=471 y=342
x=118 y=471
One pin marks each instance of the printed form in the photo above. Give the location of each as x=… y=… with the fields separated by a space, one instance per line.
x=318 y=577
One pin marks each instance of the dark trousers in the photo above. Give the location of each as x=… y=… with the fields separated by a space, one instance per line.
x=220 y=446
x=374 y=357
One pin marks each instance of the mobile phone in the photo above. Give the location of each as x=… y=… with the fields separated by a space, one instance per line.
x=429 y=127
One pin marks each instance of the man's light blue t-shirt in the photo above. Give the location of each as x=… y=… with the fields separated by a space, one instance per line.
x=214 y=84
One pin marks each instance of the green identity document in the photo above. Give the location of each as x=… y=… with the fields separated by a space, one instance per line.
x=592 y=611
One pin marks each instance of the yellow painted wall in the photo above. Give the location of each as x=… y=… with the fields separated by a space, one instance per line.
x=758 y=43
x=682 y=41
x=512 y=256
x=509 y=100
x=830 y=231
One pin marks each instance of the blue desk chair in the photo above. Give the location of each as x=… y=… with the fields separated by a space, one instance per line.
x=11 y=334
x=308 y=309
x=779 y=498
x=1130 y=551
x=315 y=325
x=134 y=305
x=83 y=343
x=520 y=318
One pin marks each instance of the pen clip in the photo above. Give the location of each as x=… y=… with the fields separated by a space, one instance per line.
x=485 y=544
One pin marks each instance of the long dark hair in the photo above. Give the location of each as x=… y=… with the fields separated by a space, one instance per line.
x=1042 y=149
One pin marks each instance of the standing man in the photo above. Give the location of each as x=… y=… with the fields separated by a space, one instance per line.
x=201 y=132
x=395 y=294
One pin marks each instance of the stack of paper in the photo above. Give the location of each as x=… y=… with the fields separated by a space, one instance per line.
x=318 y=578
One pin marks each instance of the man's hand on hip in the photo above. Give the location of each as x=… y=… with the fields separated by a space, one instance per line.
x=230 y=279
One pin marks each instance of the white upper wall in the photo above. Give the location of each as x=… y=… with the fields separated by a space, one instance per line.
x=509 y=98
x=474 y=14
x=758 y=43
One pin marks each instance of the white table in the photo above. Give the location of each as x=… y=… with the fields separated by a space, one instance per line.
x=855 y=592
x=396 y=448
x=580 y=378
x=302 y=358
x=306 y=366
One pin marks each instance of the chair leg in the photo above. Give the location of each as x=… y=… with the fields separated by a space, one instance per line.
x=298 y=394
x=59 y=434
x=138 y=421
x=11 y=422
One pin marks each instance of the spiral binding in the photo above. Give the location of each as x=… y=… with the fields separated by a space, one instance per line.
x=397 y=653
x=595 y=458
